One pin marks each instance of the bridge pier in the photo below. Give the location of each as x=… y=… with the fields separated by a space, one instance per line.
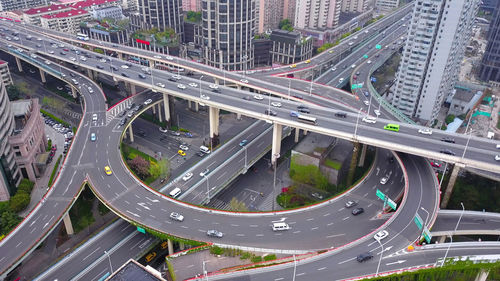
x=68 y=225
x=42 y=76
x=19 y=65
x=166 y=107
x=153 y=109
x=361 y=162
x=73 y=92
x=276 y=148
x=449 y=188
x=189 y=104
x=482 y=275
x=132 y=88
x=130 y=133
x=297 y=135
x=160 y=118
x=238 y=116
x=170 y=247
x=196 y=107
x=213 y=115
x=90 y=74
x=181 y=246
x=352 y=166
x=120 y=55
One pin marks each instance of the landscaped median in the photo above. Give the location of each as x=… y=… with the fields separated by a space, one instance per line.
x=144 y=166
x=54 y=171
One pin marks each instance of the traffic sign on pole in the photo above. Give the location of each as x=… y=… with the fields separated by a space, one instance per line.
x=354 y=86
x=391 y=203
x=365 y=56
x=418 y=221
x=380 y=194
x=378 y=47
x=141 y=230
x=427 y=235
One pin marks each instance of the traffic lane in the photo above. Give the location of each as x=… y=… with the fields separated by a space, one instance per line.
x=85 y=255
x=448 y=222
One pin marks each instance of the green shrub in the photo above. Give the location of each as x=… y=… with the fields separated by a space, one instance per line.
x=174 y=128
x=270 y=257
x=26 y=186
x=19 y=201
x=216 y=250
x=449 y=119
x=245 y=256
x=54 y=171
x=184 y=130
x=49 y=144
x=256 y=259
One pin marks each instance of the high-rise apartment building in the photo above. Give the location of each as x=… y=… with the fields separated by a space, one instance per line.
x=490 y=65
x=9 y=172
x=9 y=5
x=438 y=35
x=355 y=6
x=317 y=14
x=289 y=10
x=228 y=30
x=270 y=13
x=162 y=14
x=386 y=5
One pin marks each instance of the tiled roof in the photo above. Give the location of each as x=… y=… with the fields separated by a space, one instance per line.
x=67 y=14
x=40 y=10
x=88 y=3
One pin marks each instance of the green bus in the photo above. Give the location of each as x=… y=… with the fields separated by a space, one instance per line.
x=392 y=127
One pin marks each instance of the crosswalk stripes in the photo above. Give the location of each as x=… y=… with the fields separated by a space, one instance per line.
x=113 y=112
x=218 y=204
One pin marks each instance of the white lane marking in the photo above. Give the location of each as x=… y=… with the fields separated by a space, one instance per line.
x=335 y=235
x=366 y=194
x=321 y=268
x=241 y=235
x=134 y=214
x=314 y=228
x=300 y=274
x=19 y=244
x=327 y=214
x=310 y=219
x=341 y=209
x=369 y=205
x=279 y=279
x=223 y=174
x=259 y=235
x=97 y=249
x=346 y=261
x=329 y=224
x=296 y=231
x=345 y=218
x=253 y=225
x=234 y=224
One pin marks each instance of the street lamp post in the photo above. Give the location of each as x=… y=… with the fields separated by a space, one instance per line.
x=381 y=254
x=289 y=87
x=451 y=236
x=246 y=165
x=109 y=258
x=312 y=80
x=357 y=121
x=200 y=85
x=425 y=223
x=468 y=139
x=205 y=271
x=276 y=156
x=294 y=267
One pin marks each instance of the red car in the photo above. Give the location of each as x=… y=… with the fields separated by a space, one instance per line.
x=435 y=165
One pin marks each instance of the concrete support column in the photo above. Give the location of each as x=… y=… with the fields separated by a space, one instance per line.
x=216 y=81
x=181 y=246
x=276 y=148
x=120 y=56
x=160 y=118
x=238 y=116
x=130 y=133
x=352 y=166
x=305 y=132
x=19 y=65
x=449 y=188
x=42 y=76
x=442 y=239
x=189 y=104
x=90 y=74
x=132 y=89
x=68 y=225
x=482 y=275
x=73 y=92
x=196 y=106
x=213 y=114
x=151 y=63
x=238 y=87
x=166 y=107
x=154 y=109
x=361 y=162
x=297 y=134
x=170 y=247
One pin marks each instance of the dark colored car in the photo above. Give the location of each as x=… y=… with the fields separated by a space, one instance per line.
x=448 y=139
x=341 y=114
x=216 y=90
x=99 y=66
x=124 y=74
x=271 y=112
x=113 y=67
x=447 y=151
x=304 y=110
x=199 y=153
x=357 y=211
x=364 y=257
x=72 y=74
x=246 y=98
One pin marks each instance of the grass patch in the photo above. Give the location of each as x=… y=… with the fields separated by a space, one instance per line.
x=127 y=150
x=46 y=113
x=54 y=171
x=81 y=212
x=60 y=93
x=102 y=209
x=498 y=123
x=333 y=164
x=476 y=192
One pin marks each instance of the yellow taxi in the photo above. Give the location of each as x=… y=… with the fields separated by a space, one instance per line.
x=181 y=153
x=331 y=51
x=150 y=256
x=308 y=61
x=293 y=66
x=107 y=170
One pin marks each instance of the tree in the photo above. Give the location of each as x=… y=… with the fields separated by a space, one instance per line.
x=13 y=92
x=8 y=220
x=26 y=186
x=285 y=25
x=325 y=47
x=140 y=166
x=164 y=166
x=19 y=201
x=54 y=103
x=236 y=205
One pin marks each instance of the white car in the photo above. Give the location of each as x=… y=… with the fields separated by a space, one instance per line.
x=355 y=37
x=183 y=147
x=341 y=80
x=160 y=85
x=205 y=172
x=377 y=112
x=163 y=130
x=104 y=60
x=47 y=62
x=497 y=157
x=351 y=43
x=94 y=117
x=124 y=66
x=276 y=104
x=258 y=97
x=334 y=68
x=192 y=84
x=181 y=86
x=425 y=131
x=244 y=81
x=169 y=58
x=381 y=235
x=204 y=97
x=353 y=66
x=384 y=180
x=158 y=57
x=176 y=216
x=369 y=61
x=177 y=77
x=369 y=119
x=187 y=176
x=73 y=58
x=366 y=102
x=148 y=101
x=51 y=52
x=83 y=58
x=213 y=86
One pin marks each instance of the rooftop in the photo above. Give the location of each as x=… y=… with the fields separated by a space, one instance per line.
x=88 y=3
x=45 y=9
x=133 y=271
x=66 y=14
x=20 y=107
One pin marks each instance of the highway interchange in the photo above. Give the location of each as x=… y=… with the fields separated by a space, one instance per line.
x=134 y=201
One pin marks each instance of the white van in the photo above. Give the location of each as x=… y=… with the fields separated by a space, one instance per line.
x=498 y=146
x=279 y=226
x=204 y=149
x=175 y=192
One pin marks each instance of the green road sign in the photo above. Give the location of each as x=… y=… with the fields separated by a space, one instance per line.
x=378 y=47
x=391 y=203
x=380 y=194
x=141 y=230
x=365 y=56
x=427 y=235
x=418 y=221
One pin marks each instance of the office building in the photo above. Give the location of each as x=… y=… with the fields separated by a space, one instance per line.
x=438 y=35
x=5 y=73
x=355 y=6
x=490 y=64
x=317 y=14
x=130 y=5
x=9 y=5
x=68 y=21
x=112 y=12
x=386 y=6
x=161 y=14
x=290 y=47
x=9 y=172
x=105 y=32
x=28 y=139
x=228 y=31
